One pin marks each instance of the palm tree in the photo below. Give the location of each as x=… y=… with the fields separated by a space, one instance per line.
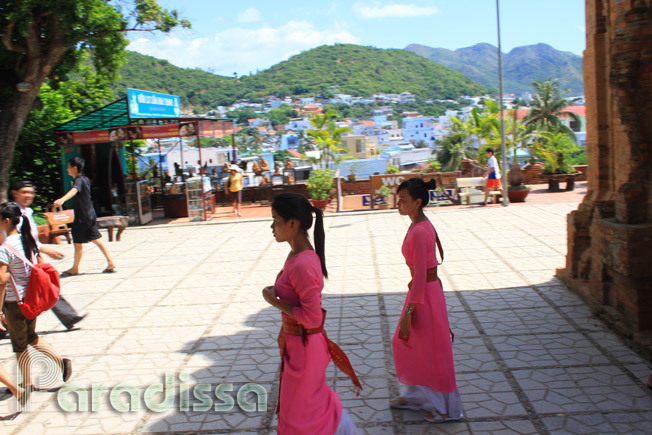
x=454 y=146
x=328 y=137
x=547 y=108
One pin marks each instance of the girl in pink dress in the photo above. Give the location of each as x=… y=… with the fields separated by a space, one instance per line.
x=423 y=354
x=306 y=403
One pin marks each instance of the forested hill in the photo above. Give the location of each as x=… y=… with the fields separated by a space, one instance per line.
x=325 y=70
x=196 y=88
x=361 y=71
x=521 y=66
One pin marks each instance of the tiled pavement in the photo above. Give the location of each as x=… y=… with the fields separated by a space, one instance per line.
x=530 y=357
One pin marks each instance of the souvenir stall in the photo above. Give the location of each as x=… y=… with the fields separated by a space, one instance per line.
x=100 y=137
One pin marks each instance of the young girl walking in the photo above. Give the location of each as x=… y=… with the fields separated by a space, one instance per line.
x=423 y=353
x=306 y=403
x=14 y=275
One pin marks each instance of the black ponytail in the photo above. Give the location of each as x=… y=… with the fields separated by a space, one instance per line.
x=13 y=212
x=320 y=239
x=296 y=206
x=418 y=189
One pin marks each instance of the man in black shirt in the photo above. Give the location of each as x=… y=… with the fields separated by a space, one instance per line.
x=84 y=228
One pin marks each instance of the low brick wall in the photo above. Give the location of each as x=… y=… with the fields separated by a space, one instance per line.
x=260 y=194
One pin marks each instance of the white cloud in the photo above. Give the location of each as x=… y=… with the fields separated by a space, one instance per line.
x=582 y=28
x=249 y=16
x=241 y=50
x=394 y=11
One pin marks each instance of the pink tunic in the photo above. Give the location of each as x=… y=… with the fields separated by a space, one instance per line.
x=427 y=359
x=308 y=405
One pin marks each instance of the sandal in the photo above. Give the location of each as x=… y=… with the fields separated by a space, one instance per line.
x=66 y=274
x=22 y=395
x=438 y=418
x=107 y=270
x=399 y=402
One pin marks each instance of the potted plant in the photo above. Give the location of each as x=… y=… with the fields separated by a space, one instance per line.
x=319 y=186
x=392 y=169
x=559 y=148
x=431 y=166
x=354 y=168
x=385 y=192
x=517 y=191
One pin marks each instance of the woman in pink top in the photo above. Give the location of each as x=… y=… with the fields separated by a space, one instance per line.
x=423 y=354
x=306 y=403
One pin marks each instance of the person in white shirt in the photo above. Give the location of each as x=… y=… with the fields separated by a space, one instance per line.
x=23 y=193
x=492 y=175
x=14 y=276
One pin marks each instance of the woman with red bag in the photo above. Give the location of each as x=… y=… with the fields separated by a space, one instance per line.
x=14 y=275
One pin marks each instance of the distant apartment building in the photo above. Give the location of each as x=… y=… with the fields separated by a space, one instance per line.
x=298 y=124
x=311 y=109
x=274 y=102
x=361 y=147
x=364 y=128
x=307 y=100
x=258 y=122
x=420 y=128
x=407 y=97
x=382 y=114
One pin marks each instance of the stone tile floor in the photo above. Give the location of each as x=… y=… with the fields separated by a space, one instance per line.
x=530 y=357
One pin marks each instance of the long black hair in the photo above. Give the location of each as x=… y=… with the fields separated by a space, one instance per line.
x=13 y=212
x=417 y=188
x=296 y=206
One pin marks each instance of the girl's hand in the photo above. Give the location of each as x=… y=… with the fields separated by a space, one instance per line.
x=404 y=327
x=269 y=293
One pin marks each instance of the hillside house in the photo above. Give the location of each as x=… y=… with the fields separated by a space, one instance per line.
x=421 y=128
x=361 y=147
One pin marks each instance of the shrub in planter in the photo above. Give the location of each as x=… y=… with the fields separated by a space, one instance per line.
x=320 y=183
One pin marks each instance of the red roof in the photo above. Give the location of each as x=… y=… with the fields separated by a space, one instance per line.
x=522 y=113
x=369 y=123
x=580 y=110
x=294 y=152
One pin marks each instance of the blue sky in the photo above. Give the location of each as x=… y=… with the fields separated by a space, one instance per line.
x=243 y=37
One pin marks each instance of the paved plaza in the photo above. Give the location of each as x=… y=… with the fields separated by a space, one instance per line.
x=186 y=301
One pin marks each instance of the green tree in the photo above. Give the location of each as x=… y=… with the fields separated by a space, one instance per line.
x=328 y=137
x=242 y=116
x=36 y=156
x=548 y=106
x=44 y=40
x=559 y=148
x=454 y=147
x=250 y=140
x=282 y=115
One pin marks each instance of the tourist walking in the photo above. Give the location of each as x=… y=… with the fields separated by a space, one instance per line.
x=14 y=275
x=423 y=353
x=84 y=228
x=235 y=188
x=23 y=193
x=492 y=175
x=17 y=391
x=307 y=405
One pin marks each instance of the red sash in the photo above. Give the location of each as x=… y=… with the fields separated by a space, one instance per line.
x=292 y=327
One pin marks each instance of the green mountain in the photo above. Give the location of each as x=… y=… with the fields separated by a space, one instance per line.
x=195 y=87
x=361 y=71
x=521 y=66
x=325 y=70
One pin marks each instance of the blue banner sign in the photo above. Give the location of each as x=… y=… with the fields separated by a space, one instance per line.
x=145 y=104
x=366 y=200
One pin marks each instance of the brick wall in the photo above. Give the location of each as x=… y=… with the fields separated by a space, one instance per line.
x=610 y=235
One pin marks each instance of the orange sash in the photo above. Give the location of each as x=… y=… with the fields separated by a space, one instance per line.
x=292 y=327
